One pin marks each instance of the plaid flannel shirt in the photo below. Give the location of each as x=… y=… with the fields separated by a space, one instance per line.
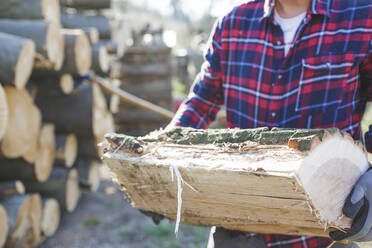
x=324 y=81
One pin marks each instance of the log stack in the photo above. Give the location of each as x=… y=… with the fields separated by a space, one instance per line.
x=145 y=72
x=41 y=92
x=255 y=180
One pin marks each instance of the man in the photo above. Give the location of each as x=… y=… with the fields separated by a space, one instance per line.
x=289 y=63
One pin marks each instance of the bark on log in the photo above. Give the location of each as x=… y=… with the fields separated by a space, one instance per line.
x=100 y=59
x=87 y=4
x=24 y=218
x=48 y=10
x=101 y=23
x=88 y=170
x=4 y=227
x=50 y=218
x=17 y=59
x=47 y=37
x=78 y=54
x=4 y=113
x=90 y=115
x=53 y=82
x=66 y=149
x=63 y=185
x=88 y=147
x=92 y=34
x=253 y=180
x=23 y=120
x=11 y=188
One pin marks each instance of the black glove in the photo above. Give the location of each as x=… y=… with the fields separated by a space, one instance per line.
x=358 y=206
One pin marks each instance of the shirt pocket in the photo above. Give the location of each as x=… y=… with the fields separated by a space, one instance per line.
x=322 y=82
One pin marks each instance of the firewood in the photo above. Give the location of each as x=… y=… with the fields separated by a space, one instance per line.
x=23 y=119
x=11 y=188
x=47 y=37
x=63 y=185
x=100 y=59
x=101 y=23
x=90 y=115
x=4 y=227
x=78 y=54
x=66 y=149
x=17 y=59
x=50 y=218
x=115 y=99
x=53 y=82
x=88 y=146
x=48 y=10
x=24 y=218
x=89 y=176
x=87 y=4
x=249 y=180
x=3 y=113
x=92 y=34
x=34 y=131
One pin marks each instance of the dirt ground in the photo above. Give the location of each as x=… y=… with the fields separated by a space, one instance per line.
x=105 y=219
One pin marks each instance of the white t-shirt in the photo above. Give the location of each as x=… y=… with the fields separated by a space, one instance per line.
x=289 y=27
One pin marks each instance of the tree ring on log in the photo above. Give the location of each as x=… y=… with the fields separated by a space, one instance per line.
x=51 y=217
x=66 y=83
x=46 y=153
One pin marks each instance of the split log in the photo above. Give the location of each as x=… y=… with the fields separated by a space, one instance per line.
x=87 y=4
x=17 y=59
x=89 y=176
x=101 y=23
x=4 y=227
x=63 y=185
x=66 y=149
x=100 y=59
x=48 y=10
x=50 y=218
x=78 y=54
x=47 y=37
x=253 y=180
x=53 y=82
x=11 y=188
x=89 y=116
x=3 y=113
x=24 y=218
x=23 y=119
x=92 y=34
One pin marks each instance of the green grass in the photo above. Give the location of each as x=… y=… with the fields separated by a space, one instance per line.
x=91 y=222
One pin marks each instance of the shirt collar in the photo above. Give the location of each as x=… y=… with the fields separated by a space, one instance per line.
x=317 y=7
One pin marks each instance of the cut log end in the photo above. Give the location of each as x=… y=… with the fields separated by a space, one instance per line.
x=71 y=150
x=51 y=10
x=46 y=153
x=92 y=34
x=83 y=54
x=72 y=190
x=3 y=112
x=34 y=131
x=24 y=64
x=51 y=217
x=11 y=188
x=66 y=83
x=4 y=227
x=94 y=176
x=103 y=122
x=101 y=60
x=55 y=45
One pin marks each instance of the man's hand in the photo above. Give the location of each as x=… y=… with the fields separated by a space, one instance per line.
x=358 y=206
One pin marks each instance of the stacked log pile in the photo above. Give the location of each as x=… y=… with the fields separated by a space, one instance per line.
x=46 y=108
x=145 y=72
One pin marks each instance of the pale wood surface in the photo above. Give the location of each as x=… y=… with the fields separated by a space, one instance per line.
x=256 y=187
x=4 y=227
x=51 y=217
x=17 y=60
x=66 y=149
x=48 y=10
x=4 y=114
x=47 y=37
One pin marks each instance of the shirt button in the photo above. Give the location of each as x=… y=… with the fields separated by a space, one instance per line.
x=273 y=114
x=280 y=76
x=279 y=43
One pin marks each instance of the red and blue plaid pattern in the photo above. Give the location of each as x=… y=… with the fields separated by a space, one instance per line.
x=324 y=81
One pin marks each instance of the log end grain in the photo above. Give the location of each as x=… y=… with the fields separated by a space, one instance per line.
x=94 y=176
x=46 y=153
x=83 y=54
x=51 y=217
x=3 y=112
x=31 y=153
x=4 y=227
x=72 y=190
x=23 y=68
x=55 y=45
x=66 y=83
x=51 y=10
